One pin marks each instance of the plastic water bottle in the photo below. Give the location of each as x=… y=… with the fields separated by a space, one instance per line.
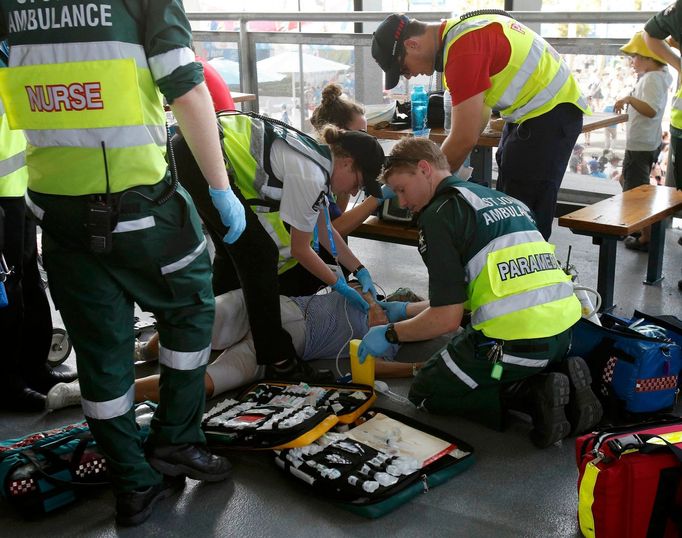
x=447 y=111
x=420 y=101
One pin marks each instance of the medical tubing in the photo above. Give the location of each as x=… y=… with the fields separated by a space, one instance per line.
x=596 y=295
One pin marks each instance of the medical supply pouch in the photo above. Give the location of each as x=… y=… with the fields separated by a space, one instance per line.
x=47 y=470
x=630 y=481
x=631 y=372
x=380 y=463
x=272 y=414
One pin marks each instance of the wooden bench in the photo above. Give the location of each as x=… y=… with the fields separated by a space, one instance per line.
x=390 y=231
x=614 y=218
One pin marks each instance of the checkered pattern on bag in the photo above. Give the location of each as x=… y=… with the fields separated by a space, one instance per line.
x=91 y=467
x=607 y=375
x=22 y=486
x=656 y=383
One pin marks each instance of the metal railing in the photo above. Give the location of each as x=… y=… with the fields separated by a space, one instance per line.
x=246 y=40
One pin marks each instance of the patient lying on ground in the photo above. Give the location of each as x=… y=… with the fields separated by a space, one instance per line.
x=320 y=327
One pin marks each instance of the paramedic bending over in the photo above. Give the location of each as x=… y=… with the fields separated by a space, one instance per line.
x=294 y=176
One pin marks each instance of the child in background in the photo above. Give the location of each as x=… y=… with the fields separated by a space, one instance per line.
x=645 y=110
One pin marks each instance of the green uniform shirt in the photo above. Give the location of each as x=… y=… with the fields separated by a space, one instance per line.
x=446 y=229
x=159 y=25
x=666 y=23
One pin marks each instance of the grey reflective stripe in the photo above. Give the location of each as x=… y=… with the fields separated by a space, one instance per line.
x=2 y=108
x=56 y=53
x=113 y=137
x=520 y=301
x=528 y=67
x=111 y=408
x=677 y=103
x=134 y=225
x=37 y=211
x=464 y=378
x=474 y=200
x=257 y=151
x=185 y=261
x=478 y=262
x=461 y=27
x=184 y=360
x=284 y=250
x=165 y=63
x=543 y=97
x=309 y=152
x=13 y=163
x=524 y=361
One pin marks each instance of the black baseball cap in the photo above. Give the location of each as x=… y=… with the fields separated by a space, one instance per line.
x=388 y=47
x=368 y=156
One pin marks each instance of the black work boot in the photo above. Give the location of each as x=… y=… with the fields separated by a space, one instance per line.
x=297 y=370
x=43 y=379
x=584 y=410
x=135 y=507
x=550 y=393
x=543 y=397
x=194 y=461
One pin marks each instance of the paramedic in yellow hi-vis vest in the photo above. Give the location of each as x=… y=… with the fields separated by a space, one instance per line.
x=485 y=255
x=25 y=321
x=491 y=62
x=85 y=83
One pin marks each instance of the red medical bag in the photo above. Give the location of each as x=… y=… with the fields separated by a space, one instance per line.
x=630 y=481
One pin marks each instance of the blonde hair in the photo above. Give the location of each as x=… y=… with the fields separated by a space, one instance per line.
x=332 y=136
x=335 y=109
x=409 y=151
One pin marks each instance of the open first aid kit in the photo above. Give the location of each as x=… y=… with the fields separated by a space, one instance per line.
x=378 y=464
x=273 y=414
x=630 y=481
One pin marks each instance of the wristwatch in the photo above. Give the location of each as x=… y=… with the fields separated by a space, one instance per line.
x=391 y=334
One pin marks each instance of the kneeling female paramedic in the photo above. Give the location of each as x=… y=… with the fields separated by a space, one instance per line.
x=284 y=176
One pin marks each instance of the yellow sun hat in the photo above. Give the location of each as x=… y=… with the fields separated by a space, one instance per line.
x=636 y=45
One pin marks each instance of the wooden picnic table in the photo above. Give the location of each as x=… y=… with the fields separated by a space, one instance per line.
x=482 y=155
x=614 y=218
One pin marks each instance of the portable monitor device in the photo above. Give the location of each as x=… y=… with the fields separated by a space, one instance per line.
x=391 y=210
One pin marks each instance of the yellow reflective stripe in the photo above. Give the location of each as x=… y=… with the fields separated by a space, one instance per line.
x=164 y=64
x=111 y=408
x=74 y=95
x=586 y=499
x=184 y=360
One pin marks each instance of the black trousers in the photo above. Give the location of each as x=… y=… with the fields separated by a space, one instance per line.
x=532 y=159
x=250 y=263
x=26 y=322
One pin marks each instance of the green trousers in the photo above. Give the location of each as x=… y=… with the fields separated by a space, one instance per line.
x=158 y=260
x=459 y=380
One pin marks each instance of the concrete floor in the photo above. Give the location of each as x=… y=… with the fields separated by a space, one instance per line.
x=512 y=490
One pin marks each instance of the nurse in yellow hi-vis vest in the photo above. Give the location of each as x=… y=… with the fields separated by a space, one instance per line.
x=85 y=83
x=491 y=62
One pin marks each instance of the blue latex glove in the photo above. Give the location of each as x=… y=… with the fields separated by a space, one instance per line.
x=395 y=310
x=365 y=280
x=352 y=296
x=386 y=194
x=374 y=343
x=231 y=212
